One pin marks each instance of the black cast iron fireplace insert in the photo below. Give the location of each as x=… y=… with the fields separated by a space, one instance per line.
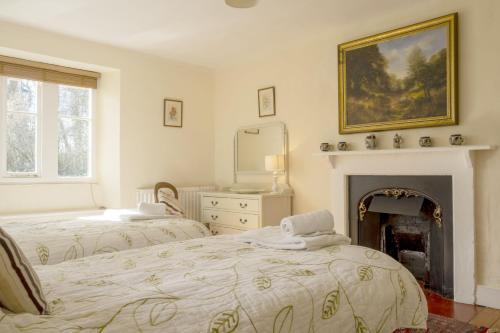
x=410 y=219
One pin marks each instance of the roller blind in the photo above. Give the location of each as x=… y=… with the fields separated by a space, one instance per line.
x=39 y=71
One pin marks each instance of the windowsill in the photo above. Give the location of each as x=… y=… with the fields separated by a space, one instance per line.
x=35 y=180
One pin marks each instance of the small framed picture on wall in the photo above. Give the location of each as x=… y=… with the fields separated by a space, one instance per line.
x=172 y=113
x=267 y=102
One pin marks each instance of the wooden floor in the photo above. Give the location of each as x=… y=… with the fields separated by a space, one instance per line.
x=473 y=314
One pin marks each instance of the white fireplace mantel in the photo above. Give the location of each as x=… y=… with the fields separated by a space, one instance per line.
x=455 y=161
x=466 y=152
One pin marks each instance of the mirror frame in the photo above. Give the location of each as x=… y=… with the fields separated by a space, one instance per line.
x=284 y=134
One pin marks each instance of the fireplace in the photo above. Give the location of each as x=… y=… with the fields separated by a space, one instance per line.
x=409 y=218
x=450 y=168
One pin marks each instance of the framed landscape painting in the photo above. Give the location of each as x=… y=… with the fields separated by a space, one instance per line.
x=404 y=78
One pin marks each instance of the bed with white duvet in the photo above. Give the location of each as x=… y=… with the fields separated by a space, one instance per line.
x=216 y=284
x=54 y=238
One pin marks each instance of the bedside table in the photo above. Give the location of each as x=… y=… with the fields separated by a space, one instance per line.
x=231 y=213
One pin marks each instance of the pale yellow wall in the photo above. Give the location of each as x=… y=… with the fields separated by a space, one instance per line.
x=107 y=123
x=44 y=197
x=305 y=77
x=134 y=149
x=154 y=152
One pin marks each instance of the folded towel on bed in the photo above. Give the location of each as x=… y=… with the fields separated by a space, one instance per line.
x=151 y=208
x=272 y=237
x=313 y=223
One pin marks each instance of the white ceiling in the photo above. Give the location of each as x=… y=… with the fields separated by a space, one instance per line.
x=203 y=32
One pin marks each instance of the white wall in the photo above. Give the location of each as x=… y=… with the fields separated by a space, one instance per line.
x=305 y=77
x=133 y=147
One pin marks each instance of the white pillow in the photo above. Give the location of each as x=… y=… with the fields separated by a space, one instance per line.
x=20 y=288
x=147 y=208
x=172 y=205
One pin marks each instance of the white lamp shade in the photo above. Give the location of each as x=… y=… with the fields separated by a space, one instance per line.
x=275 y=162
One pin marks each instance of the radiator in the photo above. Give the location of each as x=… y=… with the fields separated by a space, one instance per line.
x=189 y=198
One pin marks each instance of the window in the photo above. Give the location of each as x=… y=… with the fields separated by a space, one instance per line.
x=46 y=131
x=74 y=131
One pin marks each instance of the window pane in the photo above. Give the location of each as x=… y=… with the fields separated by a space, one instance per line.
x=74 y=101
x=21 y=95
x=21 y=142
x=73 y=147
x=21 y=125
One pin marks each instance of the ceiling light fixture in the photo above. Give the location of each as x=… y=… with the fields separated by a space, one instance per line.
x=241 y=3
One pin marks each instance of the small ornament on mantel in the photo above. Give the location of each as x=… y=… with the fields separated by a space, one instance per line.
x=371 y=141
x=397 y=141
x=456 y=139
x=325 y=146
x=425 y=141
x=343 y=146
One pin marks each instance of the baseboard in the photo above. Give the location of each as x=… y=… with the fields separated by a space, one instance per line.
x=488 y=296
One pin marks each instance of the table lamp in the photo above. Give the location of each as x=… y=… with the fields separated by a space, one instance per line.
x=276 y=164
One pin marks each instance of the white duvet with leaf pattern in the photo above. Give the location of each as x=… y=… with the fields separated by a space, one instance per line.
x=51 y=240
x=216 y=285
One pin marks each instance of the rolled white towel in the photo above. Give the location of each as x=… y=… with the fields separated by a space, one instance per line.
x=155 y=209
x=271 y=237
x=317 y=222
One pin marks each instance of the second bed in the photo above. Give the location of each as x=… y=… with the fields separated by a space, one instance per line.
x=52 y=239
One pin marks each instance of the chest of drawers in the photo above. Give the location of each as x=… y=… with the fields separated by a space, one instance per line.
x=228 y=213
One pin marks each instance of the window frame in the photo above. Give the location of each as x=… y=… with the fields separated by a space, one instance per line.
x=47 y=139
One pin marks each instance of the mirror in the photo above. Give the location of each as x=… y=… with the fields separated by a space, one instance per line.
x=254 y=143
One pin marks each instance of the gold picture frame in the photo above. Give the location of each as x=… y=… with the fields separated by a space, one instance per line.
x=424 y=96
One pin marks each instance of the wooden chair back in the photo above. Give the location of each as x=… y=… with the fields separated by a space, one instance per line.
x=162 y=185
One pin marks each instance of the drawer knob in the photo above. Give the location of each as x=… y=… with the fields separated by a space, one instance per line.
x=214 y=203
x=214 y=217
x=243 y=205
x=243 y=221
